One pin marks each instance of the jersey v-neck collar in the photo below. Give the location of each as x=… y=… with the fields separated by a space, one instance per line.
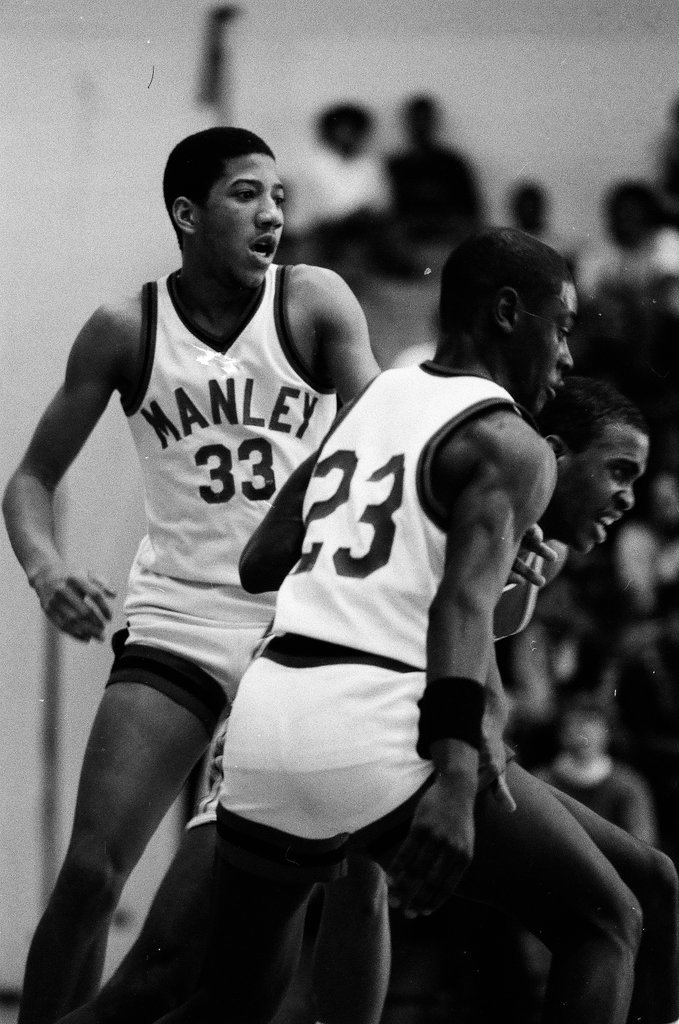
x=219 y=343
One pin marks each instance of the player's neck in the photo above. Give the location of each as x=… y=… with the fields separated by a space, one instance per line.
x=461 y=353
x=213 y=305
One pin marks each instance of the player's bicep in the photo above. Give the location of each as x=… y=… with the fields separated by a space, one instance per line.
x=72 y=414
x=344 y=339
x=503 y=489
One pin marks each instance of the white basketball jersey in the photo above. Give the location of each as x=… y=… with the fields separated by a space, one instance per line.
x=373 y=552
x=218 y=430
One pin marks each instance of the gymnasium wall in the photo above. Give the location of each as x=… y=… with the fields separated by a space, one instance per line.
x=92 y=97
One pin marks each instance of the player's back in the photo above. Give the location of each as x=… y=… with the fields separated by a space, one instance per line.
x=374 y=546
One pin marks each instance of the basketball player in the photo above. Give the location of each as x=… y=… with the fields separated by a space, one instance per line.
x=228 y=371
x=411 y=518
x=509 y=337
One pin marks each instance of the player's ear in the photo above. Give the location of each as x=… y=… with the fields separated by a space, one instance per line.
x=185 y=214
x=557 y=444
x=506 y=308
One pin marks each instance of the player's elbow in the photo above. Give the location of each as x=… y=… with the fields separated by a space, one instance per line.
x=11 y=498
x=250 y=570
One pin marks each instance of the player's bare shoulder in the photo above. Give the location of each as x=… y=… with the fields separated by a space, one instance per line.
x=504 y=449
x=108 y=346
x=318 y=296
x=316 y=287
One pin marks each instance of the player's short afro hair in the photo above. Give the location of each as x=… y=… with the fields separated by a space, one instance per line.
x=493 y=259
x=197 y=162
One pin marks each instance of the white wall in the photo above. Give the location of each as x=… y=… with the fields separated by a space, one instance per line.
x=92 y=97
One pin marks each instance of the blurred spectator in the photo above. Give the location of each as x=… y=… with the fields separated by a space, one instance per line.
x=529 y=206
x=583 y=768
x=646 y=549
x=434 y=189
x=561 y=652
x=647 y=691
x=341 y=196
x=629 y=290
x=640 y=252
x=669 y=167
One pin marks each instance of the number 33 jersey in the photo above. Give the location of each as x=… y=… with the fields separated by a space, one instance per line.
x=218 y=428
x=373 y=552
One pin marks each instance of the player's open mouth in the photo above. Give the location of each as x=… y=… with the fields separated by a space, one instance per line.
x=264 y=247
x=602 y=524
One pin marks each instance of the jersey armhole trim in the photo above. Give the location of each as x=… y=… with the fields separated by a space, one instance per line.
x=433 y=508
x=282 y=324
x=342 y=413
x=147 y=347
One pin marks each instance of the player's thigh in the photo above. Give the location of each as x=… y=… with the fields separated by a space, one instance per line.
x=255 y=938
x=539 y=864
x=140 y=750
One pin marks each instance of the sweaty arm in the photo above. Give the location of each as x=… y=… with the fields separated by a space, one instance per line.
x=494 y=477
x=330 y=330
x=101 y=360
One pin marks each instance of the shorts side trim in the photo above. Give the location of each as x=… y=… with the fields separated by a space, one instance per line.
x=179 y=679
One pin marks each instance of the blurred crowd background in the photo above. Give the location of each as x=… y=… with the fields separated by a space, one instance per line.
x=398 y=131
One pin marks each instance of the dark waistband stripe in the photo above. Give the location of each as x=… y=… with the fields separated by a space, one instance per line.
x=143 y=661
x=277 y=846
x=296 y=651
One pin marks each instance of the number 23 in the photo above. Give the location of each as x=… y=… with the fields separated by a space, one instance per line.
x=379 y=516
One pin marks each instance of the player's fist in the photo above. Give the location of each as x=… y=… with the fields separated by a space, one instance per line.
x=77 y=605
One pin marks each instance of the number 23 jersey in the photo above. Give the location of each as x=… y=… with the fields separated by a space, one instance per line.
x=374 y=545
x=218 y=430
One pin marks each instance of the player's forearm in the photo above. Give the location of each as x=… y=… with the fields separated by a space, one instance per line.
x=459 y=636
x=28 y=509
x=457 y=761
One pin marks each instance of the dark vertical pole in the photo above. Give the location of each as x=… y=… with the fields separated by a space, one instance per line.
x=51 y=701
x=51 y=774
x=215 y=69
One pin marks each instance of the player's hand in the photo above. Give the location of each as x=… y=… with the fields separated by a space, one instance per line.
x=532 y=543
x=76 y=605
x=437 y=850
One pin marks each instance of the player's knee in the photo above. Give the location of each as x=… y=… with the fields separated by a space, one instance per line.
x=91 y=878
x=620 y=921
x=662 y=883
x=609 y=919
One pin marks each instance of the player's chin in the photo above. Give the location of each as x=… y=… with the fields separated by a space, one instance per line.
x=253 y=270
x=544 y=395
